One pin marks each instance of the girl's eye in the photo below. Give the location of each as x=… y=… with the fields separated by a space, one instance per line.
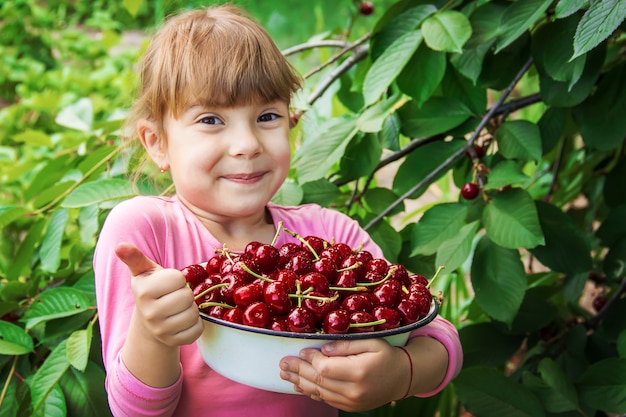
x=268 y=117
x=210 y=120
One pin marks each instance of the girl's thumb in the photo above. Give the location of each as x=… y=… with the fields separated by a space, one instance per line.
x=137 y=262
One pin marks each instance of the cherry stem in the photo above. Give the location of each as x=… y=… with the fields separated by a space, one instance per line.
x=304 y=242
x=353 y=266
x=214 y=304
x=278 y=229
x=208 y=290
x=369 y=323
x=435 y=276
x=356 y=289
x=254 y=274
x=314 y=297
x=385 y=278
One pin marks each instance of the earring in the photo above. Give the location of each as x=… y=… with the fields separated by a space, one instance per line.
x=162 y=170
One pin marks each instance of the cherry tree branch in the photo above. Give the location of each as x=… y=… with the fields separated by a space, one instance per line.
x=314 y=45
x=452 y=159
x=338 y=55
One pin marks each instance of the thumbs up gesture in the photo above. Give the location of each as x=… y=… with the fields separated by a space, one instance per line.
x=164 y=303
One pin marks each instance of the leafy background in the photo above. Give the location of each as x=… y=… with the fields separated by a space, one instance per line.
x=525 y=99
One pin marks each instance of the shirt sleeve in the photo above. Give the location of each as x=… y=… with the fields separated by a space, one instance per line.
x=131 y=222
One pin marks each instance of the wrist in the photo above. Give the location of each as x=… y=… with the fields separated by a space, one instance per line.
x=409 y=367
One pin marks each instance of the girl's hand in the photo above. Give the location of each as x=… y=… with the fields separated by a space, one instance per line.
x=352 y=375
x=164 y=306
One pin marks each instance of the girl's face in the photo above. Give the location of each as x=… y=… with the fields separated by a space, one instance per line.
x=228 y=162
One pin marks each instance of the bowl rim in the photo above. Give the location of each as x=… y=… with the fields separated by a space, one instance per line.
x=432 y=313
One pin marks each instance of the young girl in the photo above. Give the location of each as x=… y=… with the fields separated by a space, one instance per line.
x=213 y=109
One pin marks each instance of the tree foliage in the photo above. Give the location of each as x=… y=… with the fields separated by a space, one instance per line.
x=525 y=99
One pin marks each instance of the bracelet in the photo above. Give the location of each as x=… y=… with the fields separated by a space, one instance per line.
x=408 y=390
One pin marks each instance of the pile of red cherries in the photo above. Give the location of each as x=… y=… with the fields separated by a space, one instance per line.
x=313 y=286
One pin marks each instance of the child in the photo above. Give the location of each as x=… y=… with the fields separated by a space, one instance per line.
x=213 y=109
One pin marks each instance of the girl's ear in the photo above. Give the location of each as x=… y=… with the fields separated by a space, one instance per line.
x=153 y=143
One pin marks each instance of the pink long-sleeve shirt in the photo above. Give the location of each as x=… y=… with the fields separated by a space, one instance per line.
x=168 y=233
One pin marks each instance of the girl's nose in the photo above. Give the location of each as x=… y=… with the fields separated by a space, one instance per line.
x=245 y=142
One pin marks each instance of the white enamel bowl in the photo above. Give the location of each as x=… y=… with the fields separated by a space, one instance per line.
x=251 y=355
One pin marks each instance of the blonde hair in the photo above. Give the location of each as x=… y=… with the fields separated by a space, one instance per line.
x=213 y=56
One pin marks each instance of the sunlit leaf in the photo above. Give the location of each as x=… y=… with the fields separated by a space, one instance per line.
x=454 y=252
x=387 y=67
x=55 y=303
x=439 y=224
x=598 y=22
x=519 y=139
x=132 y=6
x=50 y=251
x=78 y=115
x=33 y=138
x=99 y=191
x=78 y=345
x=511 y=220
x=505 y=173
x=14 y=340
x=437 y=115
x=48 y=376
x=447 y=31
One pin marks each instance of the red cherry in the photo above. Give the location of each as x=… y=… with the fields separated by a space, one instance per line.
x=321 y=306
x=599 y=302
x=470 y=190
x=344 y=249
x=234 y=315
x=301 y=263
x=194 y=274
x=400 y=274
x=317 y=281
x=276 y=296
x=391 y=316
x=327 y=267
x=377 y=265
x=266 y=257
x=418 y=279
x=256 y=315
x=366 y=8
x=336 y=322
x=251 y=247
x=346 y=279
x=234 y=281
x=217 y=311
x=333 y=253
x=286 y=252
x=214 y=264
x=360 y=317
x=213 y=295
x=247 y=294
x=357 y=302
x=301 y=320
x=387 y=294
x=317 y=243
x=287 y=277
x=409 y=311
x=364 y=256
x=279 y=323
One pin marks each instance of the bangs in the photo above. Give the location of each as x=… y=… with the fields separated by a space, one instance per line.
x=217 y=58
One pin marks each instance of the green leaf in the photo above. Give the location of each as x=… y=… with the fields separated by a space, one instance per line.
x=48 y=375
x=498 y=279
x=99 y=191
x=289 y=194
x=601 y=117
x=33 y=138
x=77 y=116
x=552 y=49
x=488 y=393
x=387 y=67
x=501 y=346
x=132 y=6
x=519 y=139
x=14 y=340
x=438 y=224
x=613 y=228
x=399 y=25
x=372 y=118
x=564 y=396
x=54 y=405
x=566 y=8
x=361 y=156
x=603 y=385
x=390 y=134
x=454 y=252
x=422 y=75
x=378 y=199
x=598 y=22
x=567 y=248
x=421 y=162
x=50 y=252
x=78 y=346
x=511 y=220
x=621 y=344
x=318 y=153
x=518 y=18
x=8 y=214
x=55 y=303
x=447 y=31
x=387 y=238
x=437 y=115
x=320 y=191
x=505 y=173
x=84 y=393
